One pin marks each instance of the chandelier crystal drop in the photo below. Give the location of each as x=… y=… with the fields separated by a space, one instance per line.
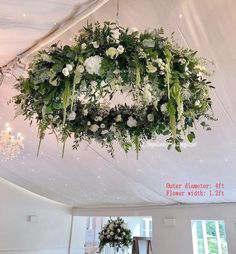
x=10 y=145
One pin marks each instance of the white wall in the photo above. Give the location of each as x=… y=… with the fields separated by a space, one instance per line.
x=178 y=239
x=50 y=235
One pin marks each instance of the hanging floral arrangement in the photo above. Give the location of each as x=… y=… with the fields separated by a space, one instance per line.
x=116 y=234
x=71 y=90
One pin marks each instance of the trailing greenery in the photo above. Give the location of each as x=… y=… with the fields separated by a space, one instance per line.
x=116 y=234
x=72 y=90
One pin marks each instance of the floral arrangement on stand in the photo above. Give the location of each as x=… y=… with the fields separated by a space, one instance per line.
x=70 y=89
x=116 y=234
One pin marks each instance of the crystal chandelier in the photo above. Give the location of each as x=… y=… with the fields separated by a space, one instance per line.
x=10 y=146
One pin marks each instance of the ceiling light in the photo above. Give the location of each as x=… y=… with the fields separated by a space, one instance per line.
x=10 y=145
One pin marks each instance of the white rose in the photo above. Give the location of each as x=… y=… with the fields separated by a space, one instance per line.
x=94 y=127
x=83 y=46
x=72 y=116
x=80 y=68
x=197 y=103
x=118 y=118
x=116 y=34
x=95 y=44
x=163 y=107
x=108 y=236
x=98 y=119
x=112 y=52
x=65 y=72
x=120 y=49
x=111 y=233
x=69 y=67
x=85 y=112
x=131 y=122
x=102 y=125
x=150 y=117
x=104 y=132
x=88 y=123
x=93 y=64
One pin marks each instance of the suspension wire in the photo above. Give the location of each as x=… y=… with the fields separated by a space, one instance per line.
x=117 y=12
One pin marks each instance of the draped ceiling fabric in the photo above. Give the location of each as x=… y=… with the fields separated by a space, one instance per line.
x=89 y=176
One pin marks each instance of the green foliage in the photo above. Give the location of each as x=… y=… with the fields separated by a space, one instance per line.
x=70 y=89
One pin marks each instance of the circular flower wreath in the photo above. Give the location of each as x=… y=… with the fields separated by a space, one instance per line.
x=71 y=89
x=116 y=234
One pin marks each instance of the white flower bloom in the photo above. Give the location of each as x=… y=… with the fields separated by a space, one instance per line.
x=186 y=93
x=83 y=46
x=151 y=68
x=200 y=68
x=69 y=67
x=124 y=233
x=94 y=128
x=108 y=236
x=186 y=85
x=116 y=71
x=131 y=122
x=98 y=118
x=113 y=128
x=95 y=44
x=88 y=123
x=93 y=84
x=102 y=125
x=85 y=112
x=150 y=117
x=65 y=72
x=80 y=68
x=149 y=43
x=72 y=116
x=120 y=49
x=93 y=64
x=103 y=83
x=116 y=34
x=45 y=57
x=182 y=61
x=197 y=103
x=118 y=230
x=111 y=233
x=112 y=52
x=123 y=225
x=104 y=132
x=118 y=118
x=164 y=107
x=108 y=38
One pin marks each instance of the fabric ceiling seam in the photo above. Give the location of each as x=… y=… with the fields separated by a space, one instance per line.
x=34 y=193
x=66 y=24
x=117 y=170
x=28 y=189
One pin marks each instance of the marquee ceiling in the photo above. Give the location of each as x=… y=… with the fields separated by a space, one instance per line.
x=90 y=177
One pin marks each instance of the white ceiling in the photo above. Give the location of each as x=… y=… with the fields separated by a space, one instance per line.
x=89 y=176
